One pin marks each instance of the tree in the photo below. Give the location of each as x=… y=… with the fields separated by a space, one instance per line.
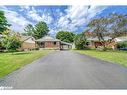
x=99 y=26
x=65 y=36
x=29 y=30
x=10 y=41
x=40 y=30
x=80 y=41
x=118 y=24
x=3 y=22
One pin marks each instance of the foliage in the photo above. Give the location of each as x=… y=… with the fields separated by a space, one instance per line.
x=65 y=36
x=99 y=26
x=118 y=24
x=80 y=41
x=3 y=22
x=10 y=41
x=122 y=44
x=29 y=30
x=40 y=30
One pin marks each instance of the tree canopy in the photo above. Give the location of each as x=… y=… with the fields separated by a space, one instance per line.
x=40 y=30
x=118 y=24
x=3 y=22
x=65 y=36
x=29 y=30
x=37 y=31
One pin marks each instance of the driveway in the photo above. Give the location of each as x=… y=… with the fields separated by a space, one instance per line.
x=68 y=70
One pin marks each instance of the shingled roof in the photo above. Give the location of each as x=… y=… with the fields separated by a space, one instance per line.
x=27 y=39
x=47 y=38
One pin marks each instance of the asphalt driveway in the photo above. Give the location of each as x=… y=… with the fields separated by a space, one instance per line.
x=68 y=70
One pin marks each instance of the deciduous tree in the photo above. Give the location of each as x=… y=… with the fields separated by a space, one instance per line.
x=65 y=36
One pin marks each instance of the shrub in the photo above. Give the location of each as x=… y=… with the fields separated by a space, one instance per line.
x=80 y=41
x=122 y=45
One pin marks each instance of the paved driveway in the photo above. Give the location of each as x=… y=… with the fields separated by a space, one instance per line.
x=68 y=70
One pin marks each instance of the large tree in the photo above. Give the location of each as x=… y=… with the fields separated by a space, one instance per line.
x=40 y=30
x=3 y=22
x=29 y=30
x=65 y=36
x=118 y=24
x=100 y=27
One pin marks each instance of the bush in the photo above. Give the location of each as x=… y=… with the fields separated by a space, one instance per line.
x=80 y=41
x=122 y=45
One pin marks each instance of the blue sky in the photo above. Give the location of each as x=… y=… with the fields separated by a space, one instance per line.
x=68 y=18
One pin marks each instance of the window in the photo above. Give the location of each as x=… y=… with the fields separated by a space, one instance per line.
x=87 y=43
x=54 y=43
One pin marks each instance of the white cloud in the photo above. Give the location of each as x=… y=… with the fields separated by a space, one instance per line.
x=34 y=15
x=71 y=19
x=17 y=21
x=25 y=8
x=78 y=16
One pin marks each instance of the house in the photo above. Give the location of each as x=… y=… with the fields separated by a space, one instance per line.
x=121 y=39
x=28 y=42
x=109 y=42
x=93 y=42
x=49 y=42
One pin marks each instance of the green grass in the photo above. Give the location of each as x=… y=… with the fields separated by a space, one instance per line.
x=119 y=57
x=10 y=62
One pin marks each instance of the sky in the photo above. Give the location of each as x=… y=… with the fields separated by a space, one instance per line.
x=67 y=18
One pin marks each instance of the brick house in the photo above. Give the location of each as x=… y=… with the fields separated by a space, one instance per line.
x=28 y=42
x=49 y=42
x=93 y=42
x=109 y=42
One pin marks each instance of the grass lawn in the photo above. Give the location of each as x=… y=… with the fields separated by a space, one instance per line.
x=119 y=57
x=10 y=62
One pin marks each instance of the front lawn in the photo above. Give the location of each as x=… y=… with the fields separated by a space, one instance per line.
x=10 y=62
x=119 y=57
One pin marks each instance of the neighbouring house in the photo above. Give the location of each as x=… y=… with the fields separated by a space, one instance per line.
x=121 y=39
x=49 y=42
x=28 y=42
x=93 y=42
x=121 y=42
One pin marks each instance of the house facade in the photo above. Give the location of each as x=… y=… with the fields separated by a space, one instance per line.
x=27 y=42
x=93 y=42
x=109 y=42
x=49 y=42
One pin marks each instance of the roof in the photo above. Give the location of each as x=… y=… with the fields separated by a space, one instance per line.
x=65 y=43
x=106 y=38
x=121 y=39
x=27 y=39
x=23 y=38
x=47 y=38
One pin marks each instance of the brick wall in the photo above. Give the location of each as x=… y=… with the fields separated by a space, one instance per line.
x=27 y=45
x=55 y=45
